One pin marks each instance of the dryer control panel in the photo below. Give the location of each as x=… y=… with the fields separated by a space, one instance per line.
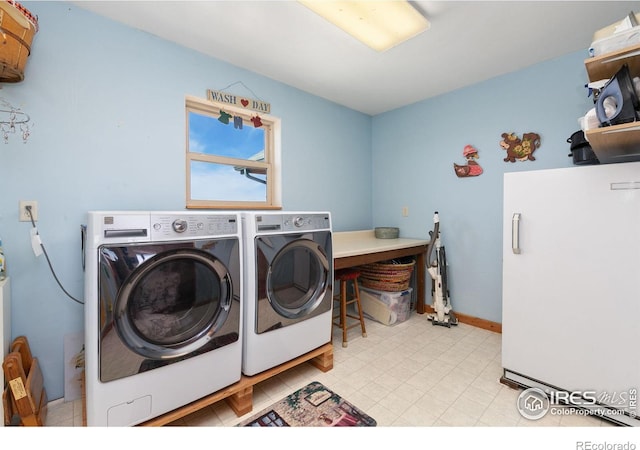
x=192 y=225
x=293 y=222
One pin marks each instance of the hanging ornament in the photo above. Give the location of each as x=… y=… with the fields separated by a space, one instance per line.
x=472 y=168
x=257 y=122
x=224 y=117
x=520 y=149
x=11 y=119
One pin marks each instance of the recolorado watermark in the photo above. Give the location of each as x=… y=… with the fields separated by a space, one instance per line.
x=534 y=404
x=589 y=445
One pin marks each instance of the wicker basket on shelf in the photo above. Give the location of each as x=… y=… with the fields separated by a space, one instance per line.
x=17 y=29
x=390 y=276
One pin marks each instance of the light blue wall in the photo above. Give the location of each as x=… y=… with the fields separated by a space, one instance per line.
x=107 y=107
x=414 y=149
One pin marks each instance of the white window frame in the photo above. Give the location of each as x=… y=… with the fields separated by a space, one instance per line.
x=271 y=165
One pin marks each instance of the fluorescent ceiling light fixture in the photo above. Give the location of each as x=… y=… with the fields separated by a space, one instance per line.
x=378 y=24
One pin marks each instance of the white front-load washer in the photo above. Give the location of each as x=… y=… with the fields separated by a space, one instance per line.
x=163 y=311
x=288 y=286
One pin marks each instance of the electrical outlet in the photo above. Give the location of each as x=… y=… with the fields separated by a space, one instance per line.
x=24 y=214
x=405 y=211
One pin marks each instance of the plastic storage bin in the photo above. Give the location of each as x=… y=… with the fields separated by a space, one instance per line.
x=388 y=308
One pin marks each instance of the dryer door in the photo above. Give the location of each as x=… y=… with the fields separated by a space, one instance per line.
x=174 y=304
x=294 y=279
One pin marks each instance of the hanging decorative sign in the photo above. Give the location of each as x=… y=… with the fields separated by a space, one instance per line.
x=472 y=168
x=243 y=102
x=520 y=149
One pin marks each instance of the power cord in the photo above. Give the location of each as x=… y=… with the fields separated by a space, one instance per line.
x=33 y=223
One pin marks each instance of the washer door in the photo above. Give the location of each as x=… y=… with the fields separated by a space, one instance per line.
x=293 y=278
x=173 y=305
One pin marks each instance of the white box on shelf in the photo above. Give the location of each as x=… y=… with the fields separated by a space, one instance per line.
x=615 y=42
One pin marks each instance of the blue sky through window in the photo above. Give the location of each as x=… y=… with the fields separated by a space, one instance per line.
x=225 y=182
x=209 y=136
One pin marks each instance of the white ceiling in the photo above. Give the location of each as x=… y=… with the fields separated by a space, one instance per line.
x=468 y=42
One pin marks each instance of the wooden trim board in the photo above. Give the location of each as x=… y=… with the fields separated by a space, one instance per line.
x=474 y=321
x=239 y=396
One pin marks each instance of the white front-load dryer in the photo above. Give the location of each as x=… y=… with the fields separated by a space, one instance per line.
x=163 y=311
x=288 y=286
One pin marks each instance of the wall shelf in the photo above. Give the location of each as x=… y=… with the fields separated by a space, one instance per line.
x=616 y=143
x=606 y=65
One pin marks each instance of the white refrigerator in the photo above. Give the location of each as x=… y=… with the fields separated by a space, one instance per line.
x=571 y=286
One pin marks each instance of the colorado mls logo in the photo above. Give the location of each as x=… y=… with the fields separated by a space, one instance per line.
x=533 y=403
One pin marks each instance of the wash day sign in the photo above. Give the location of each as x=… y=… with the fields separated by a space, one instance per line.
x=243 y=102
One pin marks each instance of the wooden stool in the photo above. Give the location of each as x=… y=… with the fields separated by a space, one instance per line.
x=345 y=276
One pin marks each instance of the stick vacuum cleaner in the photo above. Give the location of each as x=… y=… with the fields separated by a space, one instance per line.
x=437 y=269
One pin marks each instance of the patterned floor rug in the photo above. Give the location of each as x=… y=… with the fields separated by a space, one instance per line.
x=312 y=406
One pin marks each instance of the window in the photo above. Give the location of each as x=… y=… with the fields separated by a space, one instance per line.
x=233 y=157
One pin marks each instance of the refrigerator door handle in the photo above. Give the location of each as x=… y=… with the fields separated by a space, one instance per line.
x=515 y=233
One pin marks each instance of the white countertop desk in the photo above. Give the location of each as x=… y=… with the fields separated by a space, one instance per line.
x=353 y=248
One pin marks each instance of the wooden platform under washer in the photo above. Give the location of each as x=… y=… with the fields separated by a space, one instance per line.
x=239 y=396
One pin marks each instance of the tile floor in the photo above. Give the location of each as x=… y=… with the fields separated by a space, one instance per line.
x=407 y=375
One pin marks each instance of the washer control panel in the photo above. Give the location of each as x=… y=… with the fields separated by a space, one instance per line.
x=189 y=225
x=293 y=222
